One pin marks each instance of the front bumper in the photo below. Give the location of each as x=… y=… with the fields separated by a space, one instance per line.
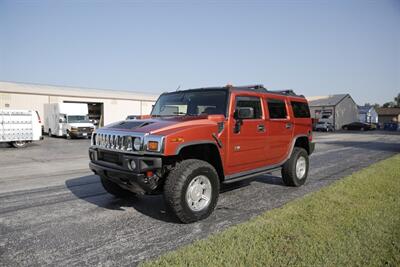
x=78 y=134
x=117 y=167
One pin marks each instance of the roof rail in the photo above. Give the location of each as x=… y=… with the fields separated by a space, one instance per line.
x=289 y=92
x=248 y=87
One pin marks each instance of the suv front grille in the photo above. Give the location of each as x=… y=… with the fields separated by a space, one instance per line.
x=114 y=141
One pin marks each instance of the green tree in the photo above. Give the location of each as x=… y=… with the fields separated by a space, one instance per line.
x=388 y=105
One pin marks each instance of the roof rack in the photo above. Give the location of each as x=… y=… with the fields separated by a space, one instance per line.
x=260 y=87
x=285 y=92
x=254 y=87
x=249 y=87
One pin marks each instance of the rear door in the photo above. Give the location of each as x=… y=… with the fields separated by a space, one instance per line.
x=247 y=148
x=280 y=129
x=301 y=117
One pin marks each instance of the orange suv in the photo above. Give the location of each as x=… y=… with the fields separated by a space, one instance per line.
x=197 y=139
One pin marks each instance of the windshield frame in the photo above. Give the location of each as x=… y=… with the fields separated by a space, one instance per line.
x=227 y=96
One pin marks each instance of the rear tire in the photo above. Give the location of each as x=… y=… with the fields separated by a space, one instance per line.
x=295 y=170
x=115 y=189
x=191 y=190
x=19 y=144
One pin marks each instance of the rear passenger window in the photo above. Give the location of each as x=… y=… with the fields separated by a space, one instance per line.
x=250 y=102
x=277 y=109
x=300 y=109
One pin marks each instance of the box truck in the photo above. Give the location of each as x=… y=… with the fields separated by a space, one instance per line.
x=19 y=127
x=70 y=120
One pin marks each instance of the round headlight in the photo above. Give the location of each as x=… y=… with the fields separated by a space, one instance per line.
x=137 y=144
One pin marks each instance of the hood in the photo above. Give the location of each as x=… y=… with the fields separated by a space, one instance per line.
x=158 y=125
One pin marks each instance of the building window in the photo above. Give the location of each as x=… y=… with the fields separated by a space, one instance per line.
x=277 y=109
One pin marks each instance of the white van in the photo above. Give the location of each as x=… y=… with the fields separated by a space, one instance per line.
x=67 y=119
x=19 y=127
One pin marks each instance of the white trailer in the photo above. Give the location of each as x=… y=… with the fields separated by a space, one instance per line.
x=19 y=127
x=67 y=119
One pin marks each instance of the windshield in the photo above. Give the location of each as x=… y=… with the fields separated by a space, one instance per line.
x=78 y=119
x=191 y=103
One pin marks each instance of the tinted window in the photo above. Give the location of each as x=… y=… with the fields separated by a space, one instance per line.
x=250 y=102
x=277 y=109
x=301 y=110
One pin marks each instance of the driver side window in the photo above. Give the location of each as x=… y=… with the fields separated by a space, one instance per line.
x=250 y=103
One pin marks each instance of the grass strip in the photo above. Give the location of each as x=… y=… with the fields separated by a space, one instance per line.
x=353 y=222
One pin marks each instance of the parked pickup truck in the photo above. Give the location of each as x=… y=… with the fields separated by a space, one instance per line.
x=195 y=140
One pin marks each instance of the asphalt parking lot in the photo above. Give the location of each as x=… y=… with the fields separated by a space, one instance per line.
x=53 y=211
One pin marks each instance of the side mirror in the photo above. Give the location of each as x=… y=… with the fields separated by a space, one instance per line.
x=244 y=113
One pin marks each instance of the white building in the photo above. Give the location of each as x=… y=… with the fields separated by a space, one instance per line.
x=367 y=114
x=105 y=106
x=337 y=109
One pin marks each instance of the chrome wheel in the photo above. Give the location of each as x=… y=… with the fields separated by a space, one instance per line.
x=198 y=193
x=301 y=167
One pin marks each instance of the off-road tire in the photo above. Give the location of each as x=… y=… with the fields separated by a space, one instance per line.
x=19 y=144
x=176 y=185
x=289 y=175
x=115 y=189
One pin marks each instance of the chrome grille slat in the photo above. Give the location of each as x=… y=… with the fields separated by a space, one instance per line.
x=118 y=142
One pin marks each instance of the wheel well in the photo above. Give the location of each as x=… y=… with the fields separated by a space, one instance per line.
x=205 y=152
x=303 y=143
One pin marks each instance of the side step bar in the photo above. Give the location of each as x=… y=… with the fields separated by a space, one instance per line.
x=246 y=176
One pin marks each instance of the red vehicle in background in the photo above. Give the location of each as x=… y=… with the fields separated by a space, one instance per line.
x=197 y=139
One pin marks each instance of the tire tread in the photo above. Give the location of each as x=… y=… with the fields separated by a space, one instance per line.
x=175 y=183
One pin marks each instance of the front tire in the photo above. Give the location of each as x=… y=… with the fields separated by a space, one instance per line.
x=295 y=170
x=115 y=189
x=191 y=190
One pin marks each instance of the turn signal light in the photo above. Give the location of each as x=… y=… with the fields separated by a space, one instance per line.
x=152 y=146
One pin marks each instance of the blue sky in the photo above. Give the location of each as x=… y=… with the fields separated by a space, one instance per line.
x=314 y=47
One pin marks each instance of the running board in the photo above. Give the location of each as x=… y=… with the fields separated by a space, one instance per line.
x=246 y=176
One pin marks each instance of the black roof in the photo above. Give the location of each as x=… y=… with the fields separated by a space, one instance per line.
x=253 y=88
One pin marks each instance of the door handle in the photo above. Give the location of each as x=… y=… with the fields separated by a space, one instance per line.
x=288 y=125
x=261 y=128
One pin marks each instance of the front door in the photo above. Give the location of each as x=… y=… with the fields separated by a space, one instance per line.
x=247 y=142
